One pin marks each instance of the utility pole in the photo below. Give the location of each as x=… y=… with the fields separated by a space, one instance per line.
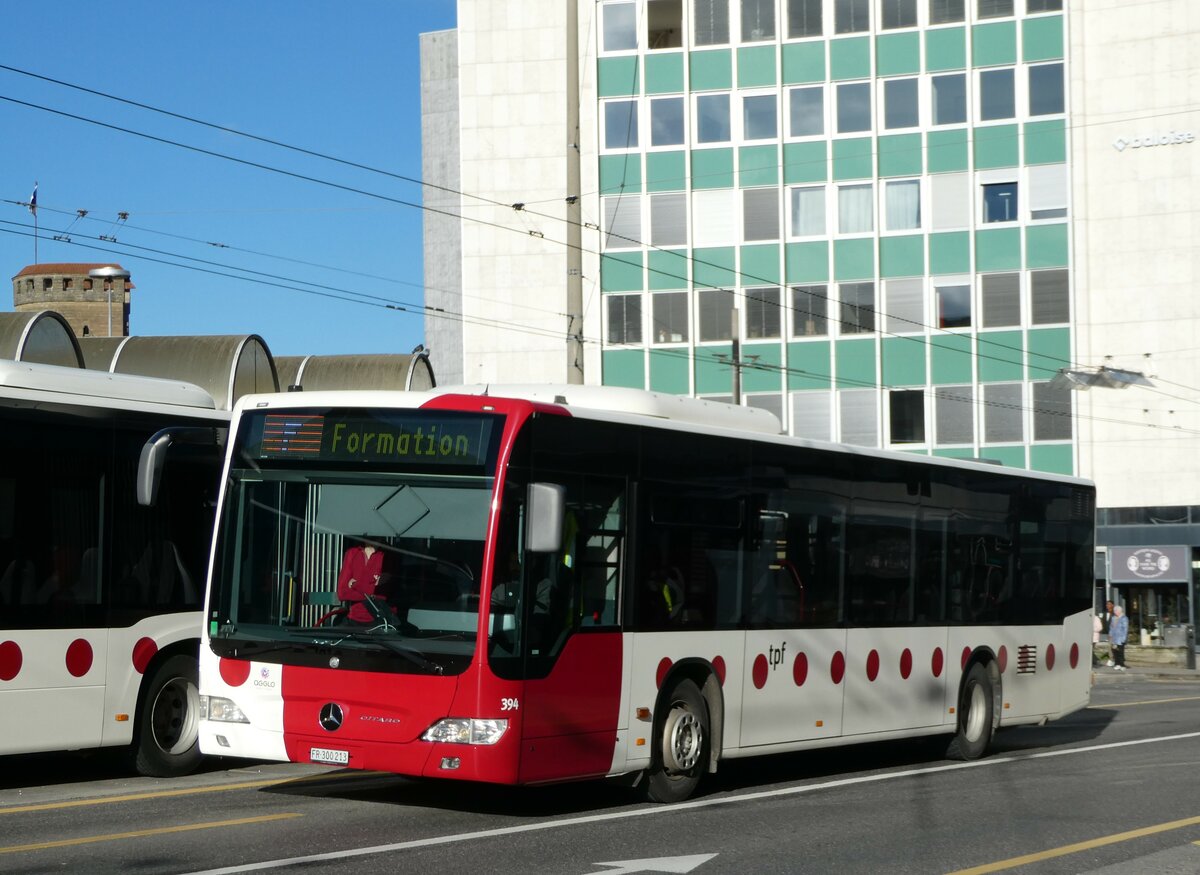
x=574 y=213
x=736 y=357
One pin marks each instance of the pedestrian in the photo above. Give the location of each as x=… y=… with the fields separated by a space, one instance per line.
x=1097 y=625
x=1106 y=622
x=1118 y=633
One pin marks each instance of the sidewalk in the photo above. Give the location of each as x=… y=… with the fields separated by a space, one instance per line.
x=1103 y=674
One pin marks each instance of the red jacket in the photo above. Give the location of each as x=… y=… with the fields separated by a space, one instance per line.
x=359 y=577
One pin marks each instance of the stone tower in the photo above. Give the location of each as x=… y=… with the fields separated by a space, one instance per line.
x=93 y=298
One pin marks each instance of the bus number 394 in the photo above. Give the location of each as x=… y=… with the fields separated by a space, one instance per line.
x=510 y=704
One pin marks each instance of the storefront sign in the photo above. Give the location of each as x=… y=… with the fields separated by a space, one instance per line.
x=1149 y=564
x=1168 y=138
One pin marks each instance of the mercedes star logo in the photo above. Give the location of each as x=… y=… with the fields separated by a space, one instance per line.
x=331 y=717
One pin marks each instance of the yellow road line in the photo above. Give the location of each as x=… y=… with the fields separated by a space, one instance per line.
x=1077 y=847
x=138 y=833
x=1148 y=702
x=166 y=794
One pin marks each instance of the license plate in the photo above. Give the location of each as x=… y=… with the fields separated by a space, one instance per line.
x=325 y=755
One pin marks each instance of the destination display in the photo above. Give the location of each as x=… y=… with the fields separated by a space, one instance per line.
x=412 y=437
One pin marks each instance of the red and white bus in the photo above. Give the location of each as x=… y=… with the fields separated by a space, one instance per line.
x=580 y=582
x=100 y=596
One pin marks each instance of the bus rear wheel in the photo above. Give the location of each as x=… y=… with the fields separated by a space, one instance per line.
x=166 y=743
x=974 y=715
x=680 y=745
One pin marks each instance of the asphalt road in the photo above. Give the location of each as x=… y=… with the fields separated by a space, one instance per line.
x=1110 y=789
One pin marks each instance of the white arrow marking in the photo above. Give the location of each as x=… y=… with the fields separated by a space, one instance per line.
x=656 y=864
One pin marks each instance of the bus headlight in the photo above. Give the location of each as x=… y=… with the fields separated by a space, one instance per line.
x=221 y=710
x=458 y=730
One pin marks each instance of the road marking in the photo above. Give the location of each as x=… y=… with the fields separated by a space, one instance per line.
x=167 y=794
x=1148 y=702
x=1025 y=860
x=670 y=809
x=138 y=833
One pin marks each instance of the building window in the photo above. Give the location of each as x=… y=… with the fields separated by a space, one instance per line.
x=950 y=99
x=664 y=24
x=68 y=282
x=1003 y=414
x=905 y=305
x=808 y=211
x=950 y=194
x=995 y=8
x=762 y=313
x=1033 y=6
x=997 y=98
x=811 y=416
x=901 y=108
x=906 y=409
x=1000 y=299
x=714 y=218
x=1046 y=89
x=857 y=301
x=772 y=403
x=624 y=319
x=899 y=13
x=855 y=213
x=670 y=314
x=666 y=121
x=623 y=222
x=1051 y=413
x=1000 y=202
x=710 y=21
x=758 y=20
x=1048 y=191
x=716 y=314
x=953 y=306
x=946 y=11
x=804 y=18
x=807 y=111
x=902 y=204
x=620 y=27
x=859 y=417
x=760 y=214
x=668 y=219
x=853 y=107
x=1049 y=297
x=954 y=415
x=810 y=308
x=620 y=124
x=712 y=118
x=758 y=117
x=47 y=284
x=851 y=16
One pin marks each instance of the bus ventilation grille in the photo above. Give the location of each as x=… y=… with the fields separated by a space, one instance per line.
x=1027 y=659
x=1083 y=505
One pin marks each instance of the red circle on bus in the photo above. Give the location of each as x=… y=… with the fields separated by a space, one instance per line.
x=718 y=665
x=143 y=652
x=1049 y=657
x=10 y=660
x=759 y=675
x=937 y=662
x=660 y=673
x=837 y=667
x=965 y=656
x=872 y=665
x=1074 y=655
x=235 y=671
x=1002 y=658
x=79 y=657
x=800 y=669
x=906 y=663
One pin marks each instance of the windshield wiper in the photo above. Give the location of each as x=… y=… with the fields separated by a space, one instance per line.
x=371 y=636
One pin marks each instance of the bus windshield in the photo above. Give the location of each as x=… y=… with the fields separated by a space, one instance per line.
x=367 y=556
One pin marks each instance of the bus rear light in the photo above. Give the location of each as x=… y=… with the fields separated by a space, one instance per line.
x=221 y=710
x=459 y=730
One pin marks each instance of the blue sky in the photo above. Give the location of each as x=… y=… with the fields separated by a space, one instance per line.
x=341 y=78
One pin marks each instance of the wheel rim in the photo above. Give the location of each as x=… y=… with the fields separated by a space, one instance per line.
x=977 y=714
x=683 y=737
x=174 y=717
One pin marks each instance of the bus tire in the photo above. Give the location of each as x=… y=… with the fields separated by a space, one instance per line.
x=974 y=715
x=166 y=741
x=681 y=742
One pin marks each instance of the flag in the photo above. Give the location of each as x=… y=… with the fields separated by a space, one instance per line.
x=33 y=200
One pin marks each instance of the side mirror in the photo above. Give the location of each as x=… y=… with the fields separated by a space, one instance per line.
x=154 y=456
x=544 y=525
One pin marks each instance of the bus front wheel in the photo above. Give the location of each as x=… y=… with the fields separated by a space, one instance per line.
x=166 y=742
x=680 y=745
x=974 y=714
